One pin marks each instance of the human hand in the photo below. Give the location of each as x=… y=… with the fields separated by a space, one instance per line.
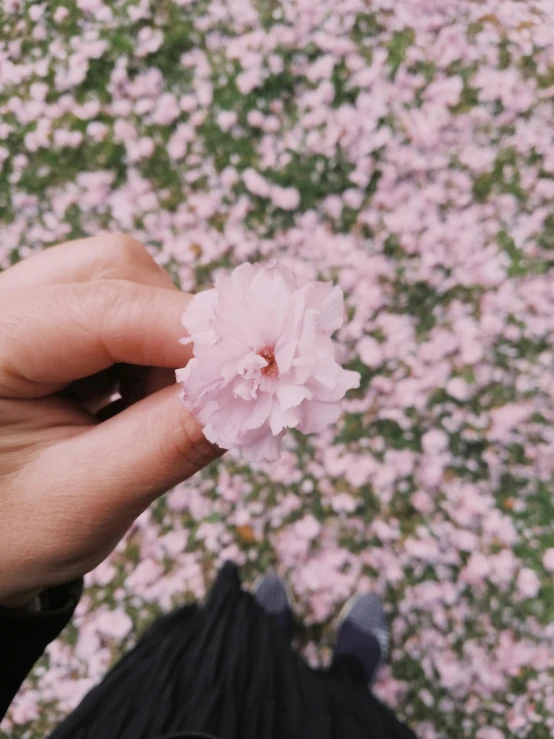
x=77 y=322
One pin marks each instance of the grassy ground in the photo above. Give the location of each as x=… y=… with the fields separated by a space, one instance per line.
x=406 y=152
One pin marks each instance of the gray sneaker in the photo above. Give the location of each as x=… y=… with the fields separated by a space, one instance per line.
x=270 y=592
x=362 y=635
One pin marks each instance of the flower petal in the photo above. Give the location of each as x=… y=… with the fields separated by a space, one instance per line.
x=289 y=396
x=249 y=365
x=266 y=449
x=260 y=412
x=317 y=416
x=329 y=303
x=245 y=389
x=198 y=316
x=281 y=419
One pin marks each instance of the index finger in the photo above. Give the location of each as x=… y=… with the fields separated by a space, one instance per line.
x=53 y=335
x=109 y=256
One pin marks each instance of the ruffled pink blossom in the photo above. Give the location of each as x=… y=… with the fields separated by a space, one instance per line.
x=263 y=359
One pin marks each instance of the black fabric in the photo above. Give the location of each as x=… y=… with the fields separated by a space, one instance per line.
x=223 y=669
x=24 y=635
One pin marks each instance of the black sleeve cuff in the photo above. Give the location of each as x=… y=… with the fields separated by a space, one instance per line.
x=24 y=635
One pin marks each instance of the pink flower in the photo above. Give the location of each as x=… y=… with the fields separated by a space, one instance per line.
x=370 y=351
x=140 y=149
x=434 y=441
x=506 y=418
x=116 y=624
x=60 y=14
x=178 y=143
x=422 y=502
x=25 y=708
x=36 y=12
x=476 y=570
x=307 y=528
x=333 y=206
x=458 y=388
x=97 y=131
x=343 y=502
x=166 y=110
x=248 y=81
x=145 y=573
x=528 y=584
x=102 y=575
x=256 y=183
x=188 y=103
x=263 y=359
x=89 y=6
x=255 y=118
x=149 y=41
x=353 y=198
x=226 y=119
x=548 y=560
x=287 y=198
x=489 y=732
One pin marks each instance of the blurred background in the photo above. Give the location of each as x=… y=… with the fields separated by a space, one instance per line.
x=404 y=149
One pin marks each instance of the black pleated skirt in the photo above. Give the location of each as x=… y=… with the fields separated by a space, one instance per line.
x=223 y=669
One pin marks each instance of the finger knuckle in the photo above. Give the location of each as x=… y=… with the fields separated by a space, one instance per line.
x=120 y=256
x=125 y=248
x=107 y=295
x=112 y=301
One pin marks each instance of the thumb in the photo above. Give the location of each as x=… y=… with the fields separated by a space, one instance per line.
x=108 y=474
x=146 y=449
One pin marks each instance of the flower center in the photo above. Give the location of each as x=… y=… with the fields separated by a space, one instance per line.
x=271 y=370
